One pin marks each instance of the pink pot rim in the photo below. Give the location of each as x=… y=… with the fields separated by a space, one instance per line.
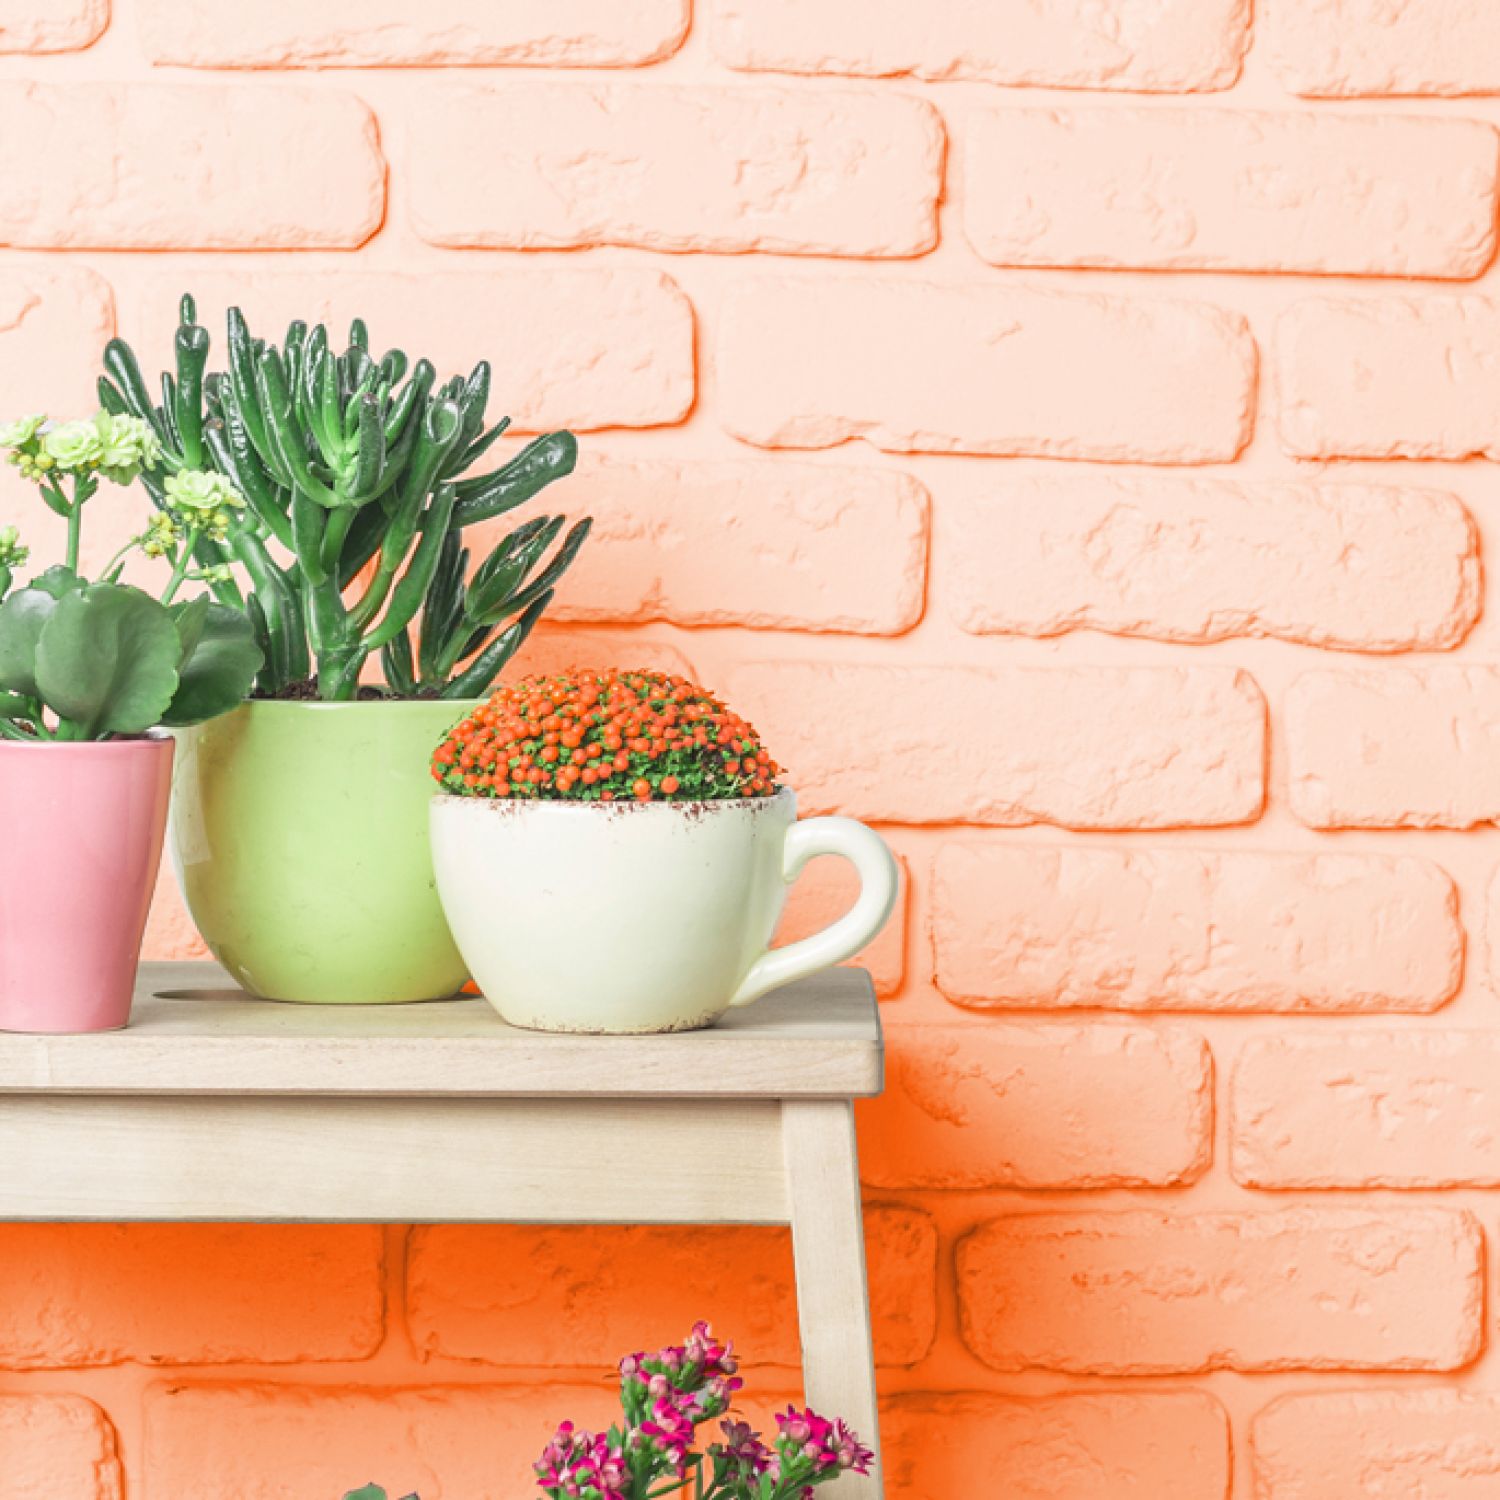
x=157 y=741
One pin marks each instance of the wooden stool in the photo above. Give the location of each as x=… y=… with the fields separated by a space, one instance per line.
x=212 y=1106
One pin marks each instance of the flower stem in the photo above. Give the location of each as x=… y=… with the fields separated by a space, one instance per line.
x=75 y=526
x=181 y=566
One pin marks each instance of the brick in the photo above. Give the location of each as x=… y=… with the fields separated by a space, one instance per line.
x=1167 y=929
x=92 y=1294
x=1231 y=190
x=984 y=1106
x=799 y=173
x=1146 y=1293
x=1394 y=378
x=780 y=536
x=1112 y=1446
x=51 y=25
x=1340 y=49
x=265 y=1442
x=1378 y=1445
x=580 y=1296
x=162 y=167
x=984 y=369
x=551 y=649
x=1084 y=747
x=1144 y=45
x=1397 y=748
x=571 y=348
x=392 y=33
x=1355 y=567
x=824 y=891
x=54 y=323
x=57 y=1448
x=1368 y=1109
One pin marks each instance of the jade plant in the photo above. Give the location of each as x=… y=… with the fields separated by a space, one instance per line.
x=356 y=473
x=655 y=1450
x=82 y=660
x=599 y=736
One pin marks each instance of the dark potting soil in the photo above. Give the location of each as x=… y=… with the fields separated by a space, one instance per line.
x=306 y=691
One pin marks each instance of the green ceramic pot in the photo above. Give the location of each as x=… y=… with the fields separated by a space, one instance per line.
x=299 y=832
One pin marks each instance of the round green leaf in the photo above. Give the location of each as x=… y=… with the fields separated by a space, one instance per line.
x=107 y=660
x=219 y=670
x=22 y=616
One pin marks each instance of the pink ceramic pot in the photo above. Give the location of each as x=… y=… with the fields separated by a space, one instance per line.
x=81 y=830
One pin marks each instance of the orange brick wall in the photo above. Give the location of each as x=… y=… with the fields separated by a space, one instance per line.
x=1142 y=610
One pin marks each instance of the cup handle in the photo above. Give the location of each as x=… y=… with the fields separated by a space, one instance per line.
x=876 y=867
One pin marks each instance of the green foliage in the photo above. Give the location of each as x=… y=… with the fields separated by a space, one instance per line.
x=107 y=659
x=371 y=1492
x=355 y=474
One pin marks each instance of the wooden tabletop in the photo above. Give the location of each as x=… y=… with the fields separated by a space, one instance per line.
x=193 y=1032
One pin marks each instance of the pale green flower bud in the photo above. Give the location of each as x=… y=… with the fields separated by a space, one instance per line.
x=34 y=466
x=12 y=553
x=20 y=432
x=74 y=446
x=161 y=535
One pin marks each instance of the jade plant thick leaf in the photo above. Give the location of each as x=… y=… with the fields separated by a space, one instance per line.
x=91 y=661
x=355 y=472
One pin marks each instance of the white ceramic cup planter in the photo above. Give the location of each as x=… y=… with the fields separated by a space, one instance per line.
x=638 y=917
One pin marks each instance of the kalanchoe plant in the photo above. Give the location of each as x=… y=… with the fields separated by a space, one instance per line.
x=598 y=736
x=665 y=1398
x=356 y=475
x=89 y=661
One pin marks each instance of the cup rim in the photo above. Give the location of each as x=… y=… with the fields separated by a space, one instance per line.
x=782 y=796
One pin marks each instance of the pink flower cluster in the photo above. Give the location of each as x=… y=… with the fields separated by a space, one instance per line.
x=665 y=1398
x=583 y=1466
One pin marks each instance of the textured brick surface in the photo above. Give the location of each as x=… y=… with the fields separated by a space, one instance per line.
x=1115 y=1446
x=780 y=536
x=360 y=33
x=512 y=1295
x=268 y=1442
x=975 y=369
x=572 y=348
x=1082 y=747
x=1379 y=1109
x=43 y=311
x=1038 y=1106
x=1376 y=1445
x=1342 y=48
x=1133 y=346
x=51 y=25
x=799 y=172
x=57 y=1448
x=162 y=166
x=1148 y=929
x=1389 y=378
x=1166 y=45
x=1395 y=749
x=1356 y=567
x=97 y=1294
x=1217 y=189
x=1141 y=1292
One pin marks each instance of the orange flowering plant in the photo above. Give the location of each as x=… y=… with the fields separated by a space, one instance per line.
x=598 y=736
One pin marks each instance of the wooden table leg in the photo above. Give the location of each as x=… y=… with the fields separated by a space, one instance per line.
x=833 y=1304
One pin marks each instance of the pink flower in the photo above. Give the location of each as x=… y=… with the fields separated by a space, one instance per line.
x=743 y=1450
x=821 y=1443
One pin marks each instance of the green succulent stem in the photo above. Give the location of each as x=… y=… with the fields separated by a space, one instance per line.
x=358 y=477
